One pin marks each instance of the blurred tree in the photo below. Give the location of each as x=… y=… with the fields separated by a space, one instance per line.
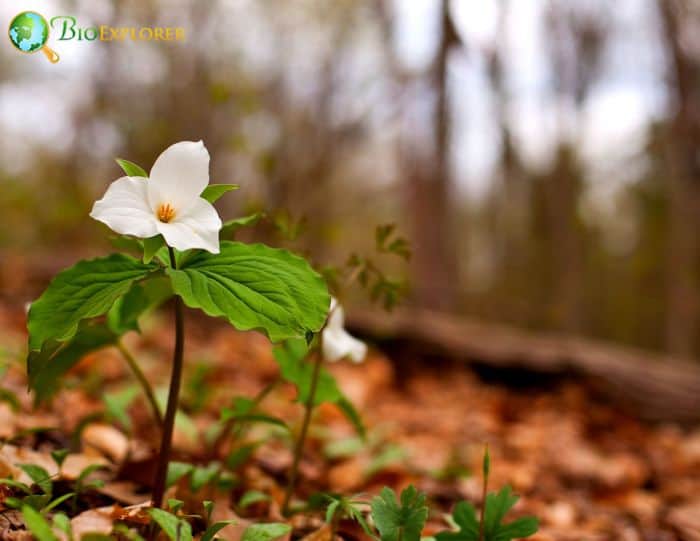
x=680 y=21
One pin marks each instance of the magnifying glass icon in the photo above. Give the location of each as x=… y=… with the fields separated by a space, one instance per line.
x=29 y=33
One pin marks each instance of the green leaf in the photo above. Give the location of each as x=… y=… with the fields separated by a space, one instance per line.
x=46 y=366
x=497 y=506
x=62 y=522
x=58 y=501
x=243 y=411
x=265 y=532
x=150 y=246
x=255 y=287
x=296 y=369
x=203 y=475
x=399 y=521
x=230 y=227
x=464 y=515
x=176 y=471
x=215 y=528
x=37 y=524
x=59 y=456
x=118 y=403
x=176 y=529
x=251 y=497
x=214 y=191
x=142 y=297
x=39 y=475
x=88 y=289
x=131 y=169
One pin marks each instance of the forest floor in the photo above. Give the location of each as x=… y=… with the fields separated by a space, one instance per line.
x=587 y=470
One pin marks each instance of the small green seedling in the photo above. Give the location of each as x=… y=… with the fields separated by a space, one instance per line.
x=399 y=520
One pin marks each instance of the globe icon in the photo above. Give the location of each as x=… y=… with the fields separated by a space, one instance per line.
x=29 y=33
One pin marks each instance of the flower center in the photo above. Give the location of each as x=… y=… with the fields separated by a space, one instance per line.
x=165 y=212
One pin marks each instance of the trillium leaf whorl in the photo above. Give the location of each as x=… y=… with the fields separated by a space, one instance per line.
x=87 y=289
x=255 y=287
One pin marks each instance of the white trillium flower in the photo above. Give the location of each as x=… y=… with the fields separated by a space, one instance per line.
x=337 y=343
x=166 y=203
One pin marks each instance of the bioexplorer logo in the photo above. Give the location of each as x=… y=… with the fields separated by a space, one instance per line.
x=29 y=33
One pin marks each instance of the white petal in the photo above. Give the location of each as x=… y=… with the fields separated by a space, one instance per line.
x=125 y=209
x=339 y=344
x=179 y=175
x=336 y=316
x=197 y=228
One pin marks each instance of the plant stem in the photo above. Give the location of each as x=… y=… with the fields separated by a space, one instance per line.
x=145 y=386
x=173 y=394
x=299 y=448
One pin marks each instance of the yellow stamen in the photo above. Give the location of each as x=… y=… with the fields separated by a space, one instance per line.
x=165 y=212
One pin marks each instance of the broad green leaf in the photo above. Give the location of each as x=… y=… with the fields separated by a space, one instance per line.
x=131 y=169
x=399 y=521
x=265 y=532
x=37 y=524
x=214 y=191
x=46 y=366
x=175 y=528
x=151 y=245
x=87 y=289
x=215 y=528
x=142 y=297
x=39 y=475
x=230 y=227
x=296 y=369
x=255 y=287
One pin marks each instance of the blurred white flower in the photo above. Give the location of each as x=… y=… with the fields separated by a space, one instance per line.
x=337 y=342
x=168 y=202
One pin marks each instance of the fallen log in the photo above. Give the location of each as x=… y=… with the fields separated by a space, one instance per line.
x=654 y=386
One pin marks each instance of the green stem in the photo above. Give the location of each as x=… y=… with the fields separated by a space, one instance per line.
x=299 y=448
x=483 y=507
x=141 y=378
x=173 y=395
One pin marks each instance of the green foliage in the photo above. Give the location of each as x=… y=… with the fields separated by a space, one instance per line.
x=174 y=527
x=131 y=169
x=399 y=520
x=142 y=297
x=338 y=506
x=244 y=410
x=291 y=356
x=151 y=246
x=117 y=405
x=87 y=289
x=388 y=242
x=46 y=366
x=230 y=227
x=265 y=532
x=497 y=506
x=255 y=287
x=213 y=192
x=251 y=497
x=215 y=528
x=37 y=524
